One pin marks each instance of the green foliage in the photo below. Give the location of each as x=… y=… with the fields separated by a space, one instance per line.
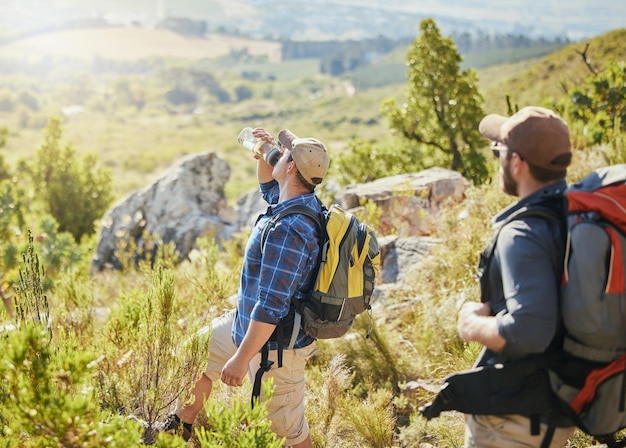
x=371 y=420
x=144 y=252
x=544 y=81
x=443 y=106
x=56 y=250
x=365 y=162
x=446 y=431
x=10 y=221
x=372 y=358
x=144 y=328
x=600 y=103
x=181 y=97
x=49 y=398
x=59 y=251
x=28 y=100
x=243 y=92
x=238 y=425
x=74 y=305
x=72 y=190
x=326 y=403
x=215 y=276
x=4 y=169
x=342 y=417
x=31 y=303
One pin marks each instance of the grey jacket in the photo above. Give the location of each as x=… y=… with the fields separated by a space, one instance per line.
x=524 y=277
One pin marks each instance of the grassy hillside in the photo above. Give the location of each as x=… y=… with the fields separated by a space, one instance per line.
x=541 y=80
x=139 y=143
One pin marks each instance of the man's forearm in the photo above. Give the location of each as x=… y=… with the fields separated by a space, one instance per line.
x=264 y=172
x=257 y=335
x=475 y=324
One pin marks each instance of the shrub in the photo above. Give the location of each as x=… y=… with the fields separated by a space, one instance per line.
x=339 y=417
x=72 y=190
x=238 y=425
x=46 y=396
x=148 y=365
x=366 y=162
x=50 y=398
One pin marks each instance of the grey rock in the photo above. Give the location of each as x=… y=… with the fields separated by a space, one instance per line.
x=186 y=203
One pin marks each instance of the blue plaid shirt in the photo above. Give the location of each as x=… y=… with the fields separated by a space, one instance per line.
x=284 y=269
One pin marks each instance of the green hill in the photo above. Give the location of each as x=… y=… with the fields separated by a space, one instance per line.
x=539 y=81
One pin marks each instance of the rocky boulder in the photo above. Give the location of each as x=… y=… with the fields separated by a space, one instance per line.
x=410 y=203
x=186 y=203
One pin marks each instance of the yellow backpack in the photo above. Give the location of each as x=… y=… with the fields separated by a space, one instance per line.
x=349 y=262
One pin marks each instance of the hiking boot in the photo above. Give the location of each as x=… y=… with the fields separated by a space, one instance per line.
x=171 y=425
x=174 y=425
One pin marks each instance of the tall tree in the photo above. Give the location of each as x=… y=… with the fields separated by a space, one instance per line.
x=443 y=106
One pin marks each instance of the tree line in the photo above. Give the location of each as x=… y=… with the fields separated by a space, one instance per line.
x=338 y=57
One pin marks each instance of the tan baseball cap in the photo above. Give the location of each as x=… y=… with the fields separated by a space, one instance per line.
x=285 y=137
x=309 y=154
x=537 y=134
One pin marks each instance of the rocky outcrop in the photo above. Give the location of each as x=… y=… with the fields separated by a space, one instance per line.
x=401 y=255
x=186 y=203
x=410 y=203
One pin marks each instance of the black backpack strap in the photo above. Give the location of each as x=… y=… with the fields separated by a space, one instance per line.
x=317 y=218
x=265 y=366
x=294 y=209
x=549 y=214
x=486 y=255
x=611 y=442
x=547 y=439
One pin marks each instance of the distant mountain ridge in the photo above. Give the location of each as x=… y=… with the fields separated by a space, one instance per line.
x=336 y=19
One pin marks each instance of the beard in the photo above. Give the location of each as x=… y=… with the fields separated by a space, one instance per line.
x=509 y=186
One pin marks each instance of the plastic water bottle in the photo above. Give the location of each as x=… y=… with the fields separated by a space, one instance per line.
x=267 y=151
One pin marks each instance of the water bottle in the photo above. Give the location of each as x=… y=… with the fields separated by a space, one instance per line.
x=267 y=151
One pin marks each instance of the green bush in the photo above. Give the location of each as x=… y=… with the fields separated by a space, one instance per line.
x=49 y=399
x=600 y=103
x=47 y=396
x=366 y=162
x=148 y=364
x=238 y=425
x=72 y=189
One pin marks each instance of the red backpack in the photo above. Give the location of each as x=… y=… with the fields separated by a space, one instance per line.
x=589 y=375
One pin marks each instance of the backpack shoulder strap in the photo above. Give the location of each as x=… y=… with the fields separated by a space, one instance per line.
x=296 y=208
x=486 y=255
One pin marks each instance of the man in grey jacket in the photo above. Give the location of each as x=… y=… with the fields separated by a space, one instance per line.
x=518 y=316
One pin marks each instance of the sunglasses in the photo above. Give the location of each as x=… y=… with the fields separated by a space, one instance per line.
x=497 y=148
